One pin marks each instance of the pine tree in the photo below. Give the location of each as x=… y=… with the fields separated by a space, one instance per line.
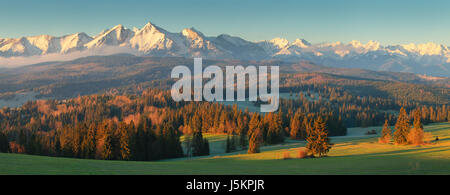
x=4 y=144
x=200 y=146
x=197 y=143
x=318 y=141
x=88 y=143
x=416 y=134
x=295 y=126
x=386 y=133
x=124 y=142
x=243 y=131
x=227 y=145
x=233 y=142
x=205 y=147
x=402 y=128
x=254 y=123
x=107 y=148
x=255 y=141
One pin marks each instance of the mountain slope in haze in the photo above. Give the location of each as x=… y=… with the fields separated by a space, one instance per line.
x=128 y=73
x=151 y=40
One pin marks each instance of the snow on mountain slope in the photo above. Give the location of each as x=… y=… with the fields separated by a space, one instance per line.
x=115 y=36
x=428 y=58
x=152 y=39
x=74 y=42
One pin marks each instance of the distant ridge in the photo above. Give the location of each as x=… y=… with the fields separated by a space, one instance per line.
x=430 y=58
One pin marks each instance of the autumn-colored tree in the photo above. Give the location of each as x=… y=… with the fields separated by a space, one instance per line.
x=318 y=142
x=402 y=128
x=255 y=141
x=254 y=123
x=275 y=133
x=416 y=134
x=124 y=142
x=88 y=143
x=386 y=133
x=295 y=127
x=107 y=147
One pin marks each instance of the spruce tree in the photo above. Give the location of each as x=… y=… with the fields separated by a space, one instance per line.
x=318 y=141
x=124 y=142
x=402 y=128
x=200 y=146
x=416 y=134
x=254 y=141
x=107 y=148
x=205 y=150
x=227 y=145
x=88 y=143
x=386 y=133
x=295 y=127
x=4 y=144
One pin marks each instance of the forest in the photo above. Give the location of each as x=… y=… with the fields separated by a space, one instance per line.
x=148 y=126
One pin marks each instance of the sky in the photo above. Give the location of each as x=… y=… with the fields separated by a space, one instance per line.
x=387 y=21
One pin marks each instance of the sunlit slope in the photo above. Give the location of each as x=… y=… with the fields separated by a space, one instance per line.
x=350 y=155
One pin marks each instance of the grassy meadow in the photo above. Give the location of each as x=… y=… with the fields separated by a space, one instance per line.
x=353 y=154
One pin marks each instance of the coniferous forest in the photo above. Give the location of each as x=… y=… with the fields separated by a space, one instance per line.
x=148 y=126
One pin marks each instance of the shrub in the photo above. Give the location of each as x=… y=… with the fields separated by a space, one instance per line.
x=16 y=148
x=286 y=155
x=416 y=136
x=385 y=140
x=302 y=153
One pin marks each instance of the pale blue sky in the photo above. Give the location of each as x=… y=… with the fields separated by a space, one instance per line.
x=387 y=21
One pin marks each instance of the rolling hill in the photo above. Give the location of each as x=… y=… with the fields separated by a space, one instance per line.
x=350 y=155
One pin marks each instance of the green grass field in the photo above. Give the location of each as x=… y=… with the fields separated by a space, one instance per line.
x=350 y=155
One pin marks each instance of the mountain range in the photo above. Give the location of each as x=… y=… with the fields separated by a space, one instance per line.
x=151 y=40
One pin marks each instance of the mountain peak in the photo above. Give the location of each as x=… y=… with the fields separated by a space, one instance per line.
x=114 y=36
x=302 y=43
x=155 y=41
x=119 y=26
x=149 y=26
x=280 y=42
x=369 y=46
x=429 y=48
x=192 y=33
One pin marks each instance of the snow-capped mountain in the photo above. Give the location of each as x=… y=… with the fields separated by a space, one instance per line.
x=151 y=40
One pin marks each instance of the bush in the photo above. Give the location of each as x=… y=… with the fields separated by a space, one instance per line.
x=384 y=140
x=286 y=155
x=416 y=136
x=302 y=153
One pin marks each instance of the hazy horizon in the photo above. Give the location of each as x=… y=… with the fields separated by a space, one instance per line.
x=389 y=23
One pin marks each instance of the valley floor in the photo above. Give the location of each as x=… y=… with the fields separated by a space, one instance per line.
x=354 y=154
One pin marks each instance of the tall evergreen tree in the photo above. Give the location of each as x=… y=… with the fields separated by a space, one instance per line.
x=200 y=146
x=4 y=144
x=255 y=141
x=296 y=124
x=107 y=148
x=386 y=133
x=88 y=143
x=124 y=142
x=402 y=128
x=318 y=142
x=416 y=134
x=228 y=145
